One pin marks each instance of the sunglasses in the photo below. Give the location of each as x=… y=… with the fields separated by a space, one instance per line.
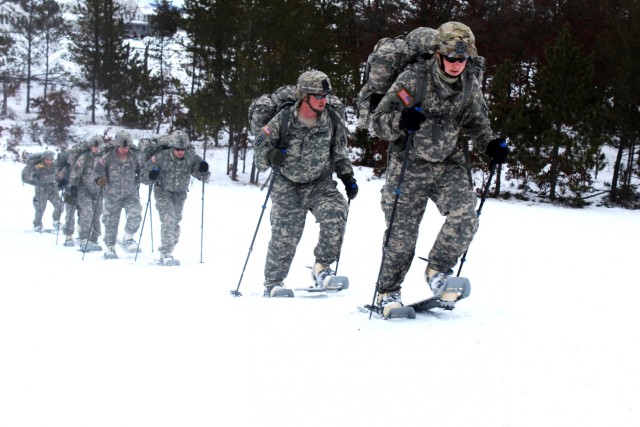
x=318 y=96
x=452 y=59
x=179 y=149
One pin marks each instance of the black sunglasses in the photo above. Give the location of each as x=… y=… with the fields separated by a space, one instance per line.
x=452 y=60
x=179 y=149
x=319 y=96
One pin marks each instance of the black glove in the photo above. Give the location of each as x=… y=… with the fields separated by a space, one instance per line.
x=411 y=119
x=73 y=191
x=62 y=183
x=497 y=149
x=69 y=198
x=350 y=185
x=276 y=157
x=153 y=174
x=204 y=167
x=102 y=181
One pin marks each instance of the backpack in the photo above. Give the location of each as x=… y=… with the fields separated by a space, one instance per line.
x=67 y=158
x=263 y=108
x=150 y=146
x=27 y=171
x=389 y=58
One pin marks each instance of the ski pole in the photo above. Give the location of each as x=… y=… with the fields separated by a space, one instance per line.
x=150 y=222
x=204 y=158
x=492 y=169
x=387 y=237
x=339 y=253
x=93 y=219
x=143 y=220
x=63 y=209
x=235 y=292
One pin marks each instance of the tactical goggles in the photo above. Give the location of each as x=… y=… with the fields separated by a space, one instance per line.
x=453 y=59
x=318 y=96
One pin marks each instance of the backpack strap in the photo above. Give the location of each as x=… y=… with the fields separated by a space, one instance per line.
x=284 y=125
x=421 y=87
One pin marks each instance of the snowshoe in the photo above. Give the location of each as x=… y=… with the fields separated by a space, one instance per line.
x=167 y=260
x=129 y=246
x=277 y=291
x=110 y=253
x=456 y=289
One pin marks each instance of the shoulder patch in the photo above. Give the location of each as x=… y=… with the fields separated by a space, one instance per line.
x=405 y=97
x=267 y=130
x=259 y=140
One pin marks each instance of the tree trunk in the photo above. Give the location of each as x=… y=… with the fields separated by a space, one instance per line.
x=613 y=195
x=553 y=170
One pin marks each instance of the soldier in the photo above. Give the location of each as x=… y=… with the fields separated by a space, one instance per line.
x=170 y=171
x=436 y=168
x=64 y=161
x=86 y=195
x=304 y=150
x=118 y=173
x=45 y=179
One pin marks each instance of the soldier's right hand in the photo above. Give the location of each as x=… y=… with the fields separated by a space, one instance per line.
x=276 y=157
x=102 y=181
x=411 y=118
x=73 y=191
x=153 y=174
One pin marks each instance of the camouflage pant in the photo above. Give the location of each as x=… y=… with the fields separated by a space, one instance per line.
x=290 y=204
x=447 y=185
x=69 y=219
x=89 y=220
x=44 y=194
x=111 y=216
x=170 y=206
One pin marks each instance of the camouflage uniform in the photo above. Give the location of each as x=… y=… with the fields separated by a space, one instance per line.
x=64 y=170
x=46 y=190
x=122 y=190
x=170 y=188
x=435 y=166
x=304 y=184
x=89 y=200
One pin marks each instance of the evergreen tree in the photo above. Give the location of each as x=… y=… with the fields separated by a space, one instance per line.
x=563 y=89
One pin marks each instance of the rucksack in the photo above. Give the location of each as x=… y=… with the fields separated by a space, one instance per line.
x=263 y=108
x=150 y=146
x=27 y=171
x=389 y=58
x=67 y=158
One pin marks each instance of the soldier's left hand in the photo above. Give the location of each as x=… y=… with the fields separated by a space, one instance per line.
x=204 y=167
x=498 y=149
x=350 y=185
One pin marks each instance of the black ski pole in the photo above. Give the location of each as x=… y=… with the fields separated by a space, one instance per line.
x=93 y=219
x=150 y=221
x=235 y=292
x=387 y=237
x=487 y=186
x=143 y=220
x=339 y=253
x=62 y=208
x=204 y=158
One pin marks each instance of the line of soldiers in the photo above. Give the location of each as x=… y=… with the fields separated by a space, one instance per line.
x=99 y=180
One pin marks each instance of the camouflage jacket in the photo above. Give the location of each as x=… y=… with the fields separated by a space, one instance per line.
x=312 y=153
x=123 y=175
x=436 y=139
x=81 y=172
x=175 y=174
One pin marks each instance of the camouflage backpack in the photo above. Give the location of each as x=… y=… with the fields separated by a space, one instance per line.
x=67 y=158
x=263 y=108
x=389 y=58
x=27 y=175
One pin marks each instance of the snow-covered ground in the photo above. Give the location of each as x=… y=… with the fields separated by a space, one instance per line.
x=548 y=336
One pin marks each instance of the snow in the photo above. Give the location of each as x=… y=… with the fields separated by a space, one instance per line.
x=547 y=336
